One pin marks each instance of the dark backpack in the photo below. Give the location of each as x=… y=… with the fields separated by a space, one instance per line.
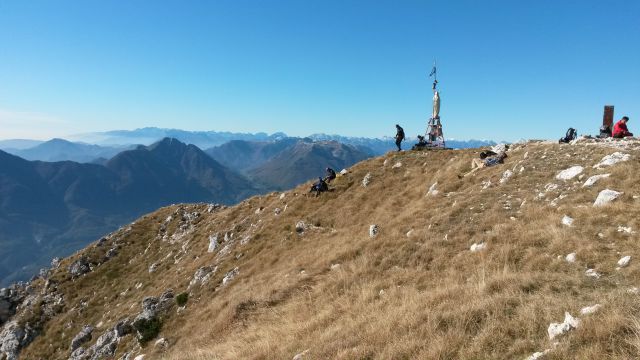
x=570 y=135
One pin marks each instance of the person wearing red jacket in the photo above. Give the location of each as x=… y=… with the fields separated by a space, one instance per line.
x=620 y=129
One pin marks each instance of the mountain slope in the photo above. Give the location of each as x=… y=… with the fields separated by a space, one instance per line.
x=243 y=156
x=286 y=274
x=50 y=209
x=303 y=161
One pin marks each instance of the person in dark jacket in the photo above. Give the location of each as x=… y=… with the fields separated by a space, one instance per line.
x=620 y=129
x=399 y=136
x=320 y=186
x=331 y=174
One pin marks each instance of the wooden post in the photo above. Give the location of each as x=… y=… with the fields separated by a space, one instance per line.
x=607 y=119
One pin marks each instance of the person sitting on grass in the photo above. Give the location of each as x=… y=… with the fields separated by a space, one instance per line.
x=620 y=129
x=320 y=186
x=486 y=159
x=331 y=174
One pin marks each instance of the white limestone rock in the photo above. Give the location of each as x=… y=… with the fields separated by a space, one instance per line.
x=624 y=261
x=373 y=230
x=570 y=173
x=478 y=247
x=606 y=196
x=566 y=220
x=593 y=179
x=612 y=159
x=557 y=329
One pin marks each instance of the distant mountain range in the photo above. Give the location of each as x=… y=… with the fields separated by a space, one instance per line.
x=61 y=150
x=54 y=208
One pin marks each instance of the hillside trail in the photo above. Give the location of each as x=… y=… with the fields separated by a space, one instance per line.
x=402 y=260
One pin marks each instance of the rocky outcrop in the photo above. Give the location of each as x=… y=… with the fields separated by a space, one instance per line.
x=83 y=336
x=79 y=267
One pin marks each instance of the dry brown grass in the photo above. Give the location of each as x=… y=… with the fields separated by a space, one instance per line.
x=425 y=296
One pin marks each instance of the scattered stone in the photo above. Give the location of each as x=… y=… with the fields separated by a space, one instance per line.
x=410 y=233
x=335 y=266
x=633 y=290
x=624 y=261
x=366 y=180
x=550 y=187
x=592 y=273
x=161 y=343
x=570 y=173
x=282 y=196
x=506 y=176
x=612 y=159
x=213 y=243
x=139 y=357
x=83 y=336
x=397 y=165
x=277 y=211
x=538 y=355
x=344 y=172
x=571 y=258
x=202 y=275
x=478 y=247
x=606 y=196
x=259 y=210
x=230 y=275
x=301 y=227
x=301 y=355
x=153 y=268
x=566 y=220
x=432 y=190
x=79 y=267
x=587 y=310
x=381 y=292
x=556 y=329
x=593 y=179
x=373 y=231
x=625 y=229
x=55 y=262
x=486 y=184
x=385 y=162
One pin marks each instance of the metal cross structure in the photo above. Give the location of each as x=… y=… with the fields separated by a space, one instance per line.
x=435 y=136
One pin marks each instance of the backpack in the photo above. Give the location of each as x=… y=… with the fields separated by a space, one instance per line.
x=570 y=135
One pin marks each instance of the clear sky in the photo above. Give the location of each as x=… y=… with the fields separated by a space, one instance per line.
x=507 y=69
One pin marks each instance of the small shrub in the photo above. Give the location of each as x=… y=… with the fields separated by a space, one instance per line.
x=182 y=298
x=147 y=329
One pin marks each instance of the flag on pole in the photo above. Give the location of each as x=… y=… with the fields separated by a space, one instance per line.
x=433 y=71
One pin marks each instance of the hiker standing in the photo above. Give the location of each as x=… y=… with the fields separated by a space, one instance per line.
x=399 y=136
x=620 y=128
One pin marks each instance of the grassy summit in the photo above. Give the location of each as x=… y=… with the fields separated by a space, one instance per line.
x=292 y=274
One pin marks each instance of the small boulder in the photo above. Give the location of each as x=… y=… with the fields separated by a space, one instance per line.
x=230 y=276
x=213 y=243
x=624 y=261
x=397 y=165
x=570 y=258
x=82 y=337
x=366 y=180
x=566 y=220
x=570 y=173
x=344 y=172
x=557 y=329
x=612 y=159
x=301 y=227
x=432 y=190
x=301 y=355
x=478 y=247
x=587 y=310
x=506 y=176
x=79 y=267
x=593 y=179
x=592 y=273
x=373 y=231
x=606 y=196
x=161 y=343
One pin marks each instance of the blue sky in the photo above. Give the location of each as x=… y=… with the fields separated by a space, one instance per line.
x=507 y=69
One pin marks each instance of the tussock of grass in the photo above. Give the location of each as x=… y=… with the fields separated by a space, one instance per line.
x=423 y=296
